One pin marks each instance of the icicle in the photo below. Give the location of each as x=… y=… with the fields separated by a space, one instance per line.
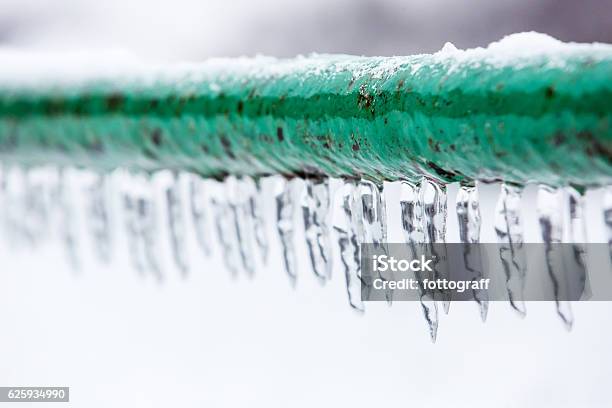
x=198 y=205
x=147 y=215
x=349 y=246
x=432 y=196
x=468 y=216
x=607 y=212
x=373 y=224
x=577 y=235
x=135 y=247
x=259 y=225
x=35 y=219
x=3 y=202
x=140 y=215
x=509 y=232
x=176 y=225
x=240 y=192
x=226 y=230
x=374 y=213
x=315 y=209
x=550 y=210
x=412 y=226
x=26 y=208
x=66 y=220
x=12 y=207
x=98 y=217
x=285 y=209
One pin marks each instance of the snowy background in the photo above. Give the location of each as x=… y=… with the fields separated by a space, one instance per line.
x=120 y=339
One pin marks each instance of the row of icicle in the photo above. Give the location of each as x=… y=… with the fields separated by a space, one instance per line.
x=236 y=213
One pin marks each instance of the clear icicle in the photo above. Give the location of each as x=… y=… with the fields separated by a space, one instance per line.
x=550 y=212
x=374 y=213
x=240 y=192
x=98 y=217
x=3 y=201
x=140 y=216
x=176 y=226
x=198 y=205
x=315 y=209
x=285 y=209
x=432 y=196
x=35 y=219
x=259 y=226
x=349 y=246
x=373 y=223
x=66 y=220
x=577 y=236
x=132 y=229
x=147 y=215
x=509 y=230
x=468 y=216
x=226 y=231
x=26 y=206
x=412 y=227
x=607 y=213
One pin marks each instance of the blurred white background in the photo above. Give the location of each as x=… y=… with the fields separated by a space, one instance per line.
x=118 y=339
x=195 y=29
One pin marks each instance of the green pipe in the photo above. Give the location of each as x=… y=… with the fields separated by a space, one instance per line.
x=543 y=118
